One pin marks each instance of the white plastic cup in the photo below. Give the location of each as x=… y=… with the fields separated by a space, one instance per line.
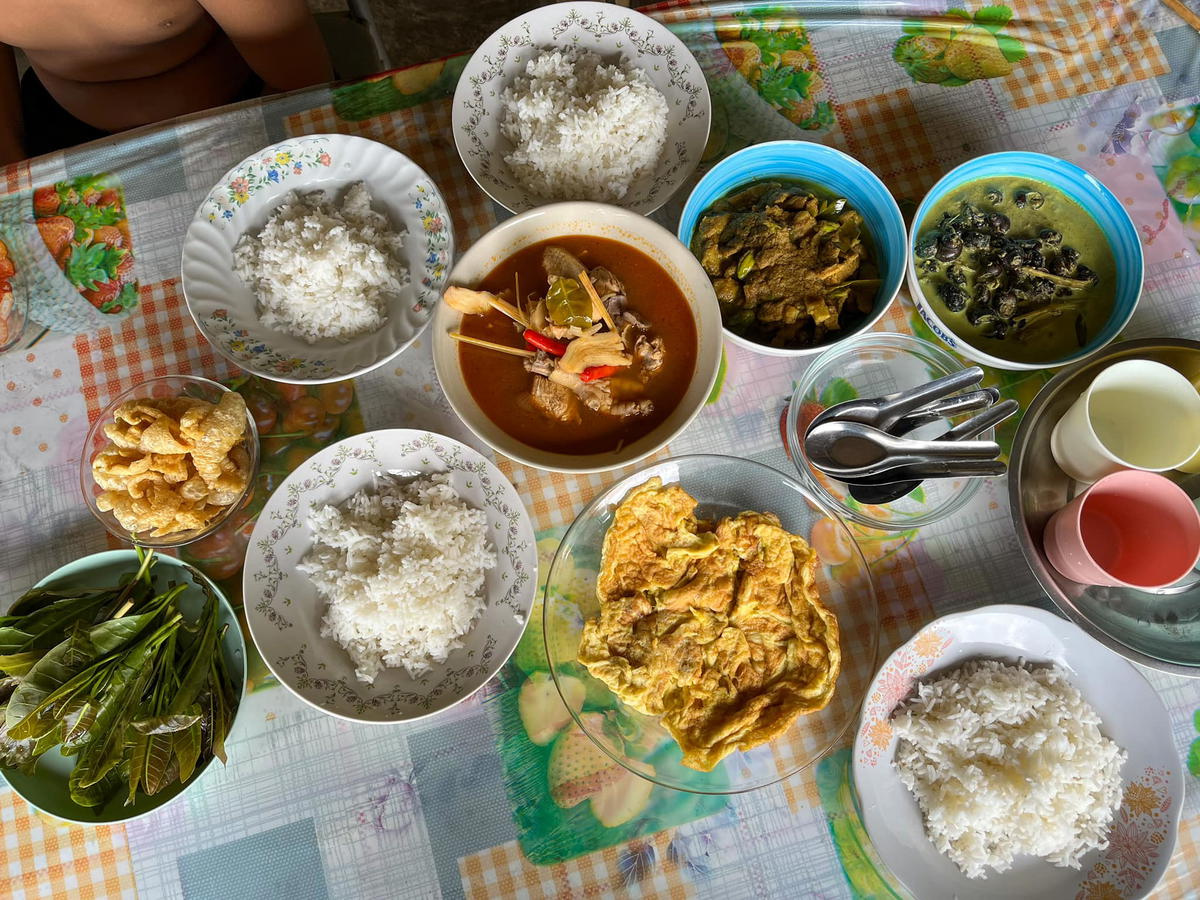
x=1136 y=414
x=1193 y=464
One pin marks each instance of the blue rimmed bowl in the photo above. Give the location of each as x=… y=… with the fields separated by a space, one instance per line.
x=47 y=787
x=1097 y=200
x=827 y=168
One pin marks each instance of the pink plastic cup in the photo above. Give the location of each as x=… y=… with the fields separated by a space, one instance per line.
x=1129 y=529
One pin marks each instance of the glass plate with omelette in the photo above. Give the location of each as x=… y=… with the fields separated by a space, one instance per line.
x=710 y=625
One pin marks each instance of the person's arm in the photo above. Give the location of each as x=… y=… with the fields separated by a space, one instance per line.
x=11 y=121
x=279 y=39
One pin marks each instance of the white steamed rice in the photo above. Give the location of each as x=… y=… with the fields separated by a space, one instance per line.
x=1007 y=760
x=323 y=271
x=402 y=570
x=582 y=130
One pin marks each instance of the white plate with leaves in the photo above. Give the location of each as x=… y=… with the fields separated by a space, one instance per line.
x=285 y=610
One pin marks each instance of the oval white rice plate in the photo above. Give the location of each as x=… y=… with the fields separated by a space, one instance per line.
x=615 y=34
x=1143 y=833
x=284 y=611
x=225 y=309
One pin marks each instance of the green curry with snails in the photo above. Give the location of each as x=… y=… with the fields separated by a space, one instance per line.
x=1016 y=268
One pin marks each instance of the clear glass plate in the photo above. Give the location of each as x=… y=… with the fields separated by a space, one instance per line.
x=724 y=486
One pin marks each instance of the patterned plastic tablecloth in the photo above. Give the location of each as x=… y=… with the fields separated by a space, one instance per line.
x=313 y=807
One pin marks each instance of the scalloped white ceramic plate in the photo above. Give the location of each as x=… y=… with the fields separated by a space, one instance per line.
x=284 y=611
x=1142 y=835
x=224 y=308
x=613 y=33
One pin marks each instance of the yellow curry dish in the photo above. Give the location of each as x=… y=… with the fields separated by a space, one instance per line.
x=716 y=627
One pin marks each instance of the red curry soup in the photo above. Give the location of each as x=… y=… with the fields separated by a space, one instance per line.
x=573 y=370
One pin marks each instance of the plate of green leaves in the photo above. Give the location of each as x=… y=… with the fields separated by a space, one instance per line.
x=121 y=674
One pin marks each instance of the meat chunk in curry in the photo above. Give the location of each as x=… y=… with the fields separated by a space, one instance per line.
x=789 y=268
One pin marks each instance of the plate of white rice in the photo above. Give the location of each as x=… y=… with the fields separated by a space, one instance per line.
x=390 y=576
x=317 y=259
x=581 y=101
x=1004 y=753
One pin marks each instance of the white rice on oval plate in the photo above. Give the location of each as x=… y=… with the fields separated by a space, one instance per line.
x=401 y=569
x=1006 y=760
x=323 y=271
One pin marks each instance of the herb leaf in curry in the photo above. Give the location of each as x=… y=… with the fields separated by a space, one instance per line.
x=716 y=627
x=790 y=268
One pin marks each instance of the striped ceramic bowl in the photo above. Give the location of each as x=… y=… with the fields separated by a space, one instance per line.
x=827 y=168
x=1081 y=187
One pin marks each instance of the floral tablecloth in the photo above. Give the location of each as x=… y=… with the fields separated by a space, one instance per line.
x=312 y=807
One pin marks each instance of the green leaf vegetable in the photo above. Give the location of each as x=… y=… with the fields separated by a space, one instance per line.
x=567 y=303
x=116 y=678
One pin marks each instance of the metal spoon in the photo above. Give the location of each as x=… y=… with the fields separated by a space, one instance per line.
x=914 y=475
x=883 y=412
x=944 y=409
x=876 y=492
x=853 y=450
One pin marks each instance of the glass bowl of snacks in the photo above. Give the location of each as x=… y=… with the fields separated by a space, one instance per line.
x=710 y=625
x=169 y=460
x=874 y=365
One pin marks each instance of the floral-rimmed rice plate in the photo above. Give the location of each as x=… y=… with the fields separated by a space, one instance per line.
x=1143 y=832
x=225 y=309
x=284 y=611
x=613 y=33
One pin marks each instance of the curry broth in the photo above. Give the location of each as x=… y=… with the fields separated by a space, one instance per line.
x=501 y=386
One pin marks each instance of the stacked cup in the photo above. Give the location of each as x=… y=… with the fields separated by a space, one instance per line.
x=1132 y=527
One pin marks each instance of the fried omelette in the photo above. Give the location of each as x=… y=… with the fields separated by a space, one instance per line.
x=717 y=628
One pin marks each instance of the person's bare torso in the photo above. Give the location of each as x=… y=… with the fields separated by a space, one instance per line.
x=120 y=63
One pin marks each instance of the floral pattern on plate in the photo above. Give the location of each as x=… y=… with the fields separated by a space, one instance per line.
x=895 y=682
x=275 y=166
x=434 y=223
x=636 y=39
x=1135 y=839
x=239 y=343
x=280 y=602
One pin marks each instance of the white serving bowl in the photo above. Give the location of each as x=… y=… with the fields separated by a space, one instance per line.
x=224 y=308
x=598 y=220
x=615 y=34
x=284 y=611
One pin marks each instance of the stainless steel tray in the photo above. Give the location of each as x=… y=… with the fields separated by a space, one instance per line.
x=1160 y=629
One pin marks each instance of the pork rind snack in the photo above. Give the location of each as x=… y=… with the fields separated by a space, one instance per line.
x=173 y=464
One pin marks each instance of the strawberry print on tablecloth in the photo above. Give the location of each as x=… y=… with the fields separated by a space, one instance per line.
x=160 y=340
x=72 y=251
